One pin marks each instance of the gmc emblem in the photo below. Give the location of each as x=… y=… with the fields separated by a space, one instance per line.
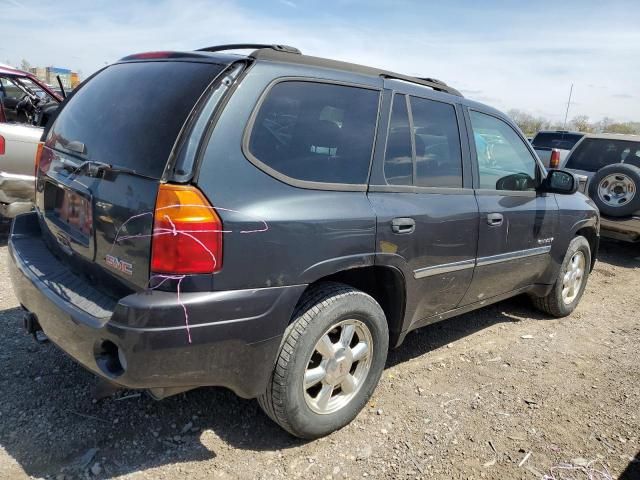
x=120 y=265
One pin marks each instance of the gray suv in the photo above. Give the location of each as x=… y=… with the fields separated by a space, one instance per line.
x=274 y=223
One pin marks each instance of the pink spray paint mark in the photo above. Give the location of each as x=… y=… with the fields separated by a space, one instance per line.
x=174 y=231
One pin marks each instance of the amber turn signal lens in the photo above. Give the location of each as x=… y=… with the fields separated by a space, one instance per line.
x=187 y=232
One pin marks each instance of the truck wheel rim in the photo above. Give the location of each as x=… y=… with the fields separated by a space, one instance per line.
x=338 y=366
x=573 y=277
x=616 y=190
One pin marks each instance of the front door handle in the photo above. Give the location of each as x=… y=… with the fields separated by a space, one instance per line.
x=403 y=225
x=495 y=219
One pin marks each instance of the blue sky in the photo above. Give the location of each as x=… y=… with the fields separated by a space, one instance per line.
x=508 y=54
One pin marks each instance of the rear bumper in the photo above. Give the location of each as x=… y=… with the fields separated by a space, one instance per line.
x=235 y=335
x=622 y=228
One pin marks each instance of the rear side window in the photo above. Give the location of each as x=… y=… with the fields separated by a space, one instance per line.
x=594 y=153
x=129 y=115
x=316 y=132
x=437 y=140
x=565 y=141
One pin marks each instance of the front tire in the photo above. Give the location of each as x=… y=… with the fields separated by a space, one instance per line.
x=571 y=282
x=330 y=361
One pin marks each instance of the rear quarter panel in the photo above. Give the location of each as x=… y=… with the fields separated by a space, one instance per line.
x=277 y=234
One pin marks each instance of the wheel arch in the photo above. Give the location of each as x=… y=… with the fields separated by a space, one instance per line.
x=591 y=234
x=385 y=284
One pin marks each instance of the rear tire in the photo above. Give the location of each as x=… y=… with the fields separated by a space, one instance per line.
x=571 y=282
x=330 y=361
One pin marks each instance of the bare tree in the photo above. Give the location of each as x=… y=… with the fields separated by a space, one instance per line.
x=581 y=123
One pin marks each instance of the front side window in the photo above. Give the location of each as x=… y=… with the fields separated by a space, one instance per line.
x=504 y=161
x=316 y=132
x=437 y=140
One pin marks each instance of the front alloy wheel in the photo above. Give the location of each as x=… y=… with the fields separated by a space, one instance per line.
x=566 y=292
x=573 y=277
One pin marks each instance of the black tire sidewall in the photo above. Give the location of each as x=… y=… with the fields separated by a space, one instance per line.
x=303 y=421
x=630 y=171
x=578 y=243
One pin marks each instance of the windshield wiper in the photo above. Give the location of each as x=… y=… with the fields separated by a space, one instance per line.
x=93 y=168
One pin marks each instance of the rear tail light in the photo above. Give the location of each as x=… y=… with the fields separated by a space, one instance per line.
x=38 y=156
x=187 y=232
x=554 y=162
x=1 y=145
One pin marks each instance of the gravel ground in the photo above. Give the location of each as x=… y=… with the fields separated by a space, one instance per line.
x=499 y=393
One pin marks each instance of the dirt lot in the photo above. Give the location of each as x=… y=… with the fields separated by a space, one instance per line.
x=499 y=393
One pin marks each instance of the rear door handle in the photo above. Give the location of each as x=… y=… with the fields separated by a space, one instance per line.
x=495 y=219
x=403 y=225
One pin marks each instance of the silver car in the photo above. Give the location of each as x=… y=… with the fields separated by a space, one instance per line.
x=25 y=107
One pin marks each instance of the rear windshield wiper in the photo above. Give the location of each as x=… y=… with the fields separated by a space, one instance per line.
x=93 y=168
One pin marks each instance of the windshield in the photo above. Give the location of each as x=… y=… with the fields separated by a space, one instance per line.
x=36 y=89
x=129 y=115
x=594 y=153
x=564 y=141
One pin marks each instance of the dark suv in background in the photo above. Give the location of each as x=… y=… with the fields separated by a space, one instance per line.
x=274 y=222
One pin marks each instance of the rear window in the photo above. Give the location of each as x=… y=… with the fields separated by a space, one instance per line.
x=316 y=132
x=594 y=153
x=564 y=141
x=129 y=115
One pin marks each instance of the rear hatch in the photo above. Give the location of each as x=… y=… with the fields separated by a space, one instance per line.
x=103 y=160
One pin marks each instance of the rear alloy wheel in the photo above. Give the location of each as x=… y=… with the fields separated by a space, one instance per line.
x=614 y=189
x=330 y=361
x=338 y=366
x=571 y=281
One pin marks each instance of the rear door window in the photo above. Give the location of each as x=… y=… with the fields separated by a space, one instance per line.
x=316 y=132
x=437 y=143
x=130 y=114
x=594 y=153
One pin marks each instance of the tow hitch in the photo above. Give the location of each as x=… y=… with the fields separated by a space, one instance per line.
x=32 y=326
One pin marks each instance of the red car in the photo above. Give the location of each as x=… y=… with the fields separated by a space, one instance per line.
x=24 y=98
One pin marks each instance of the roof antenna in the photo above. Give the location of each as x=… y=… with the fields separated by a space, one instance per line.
x=564 y=126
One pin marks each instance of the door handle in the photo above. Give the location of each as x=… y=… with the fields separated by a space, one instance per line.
x=495 y=219
x=403 y=225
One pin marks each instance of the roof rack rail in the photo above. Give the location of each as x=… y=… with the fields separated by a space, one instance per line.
x=429 y=79
x=250 y=46
x=437 y=85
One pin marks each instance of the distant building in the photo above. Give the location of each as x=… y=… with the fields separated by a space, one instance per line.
x=69 y=79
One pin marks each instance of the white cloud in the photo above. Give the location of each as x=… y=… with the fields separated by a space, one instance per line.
x=512 y=62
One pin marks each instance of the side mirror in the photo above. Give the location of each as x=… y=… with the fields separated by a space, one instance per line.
x=560 y=181
x=516 y=182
